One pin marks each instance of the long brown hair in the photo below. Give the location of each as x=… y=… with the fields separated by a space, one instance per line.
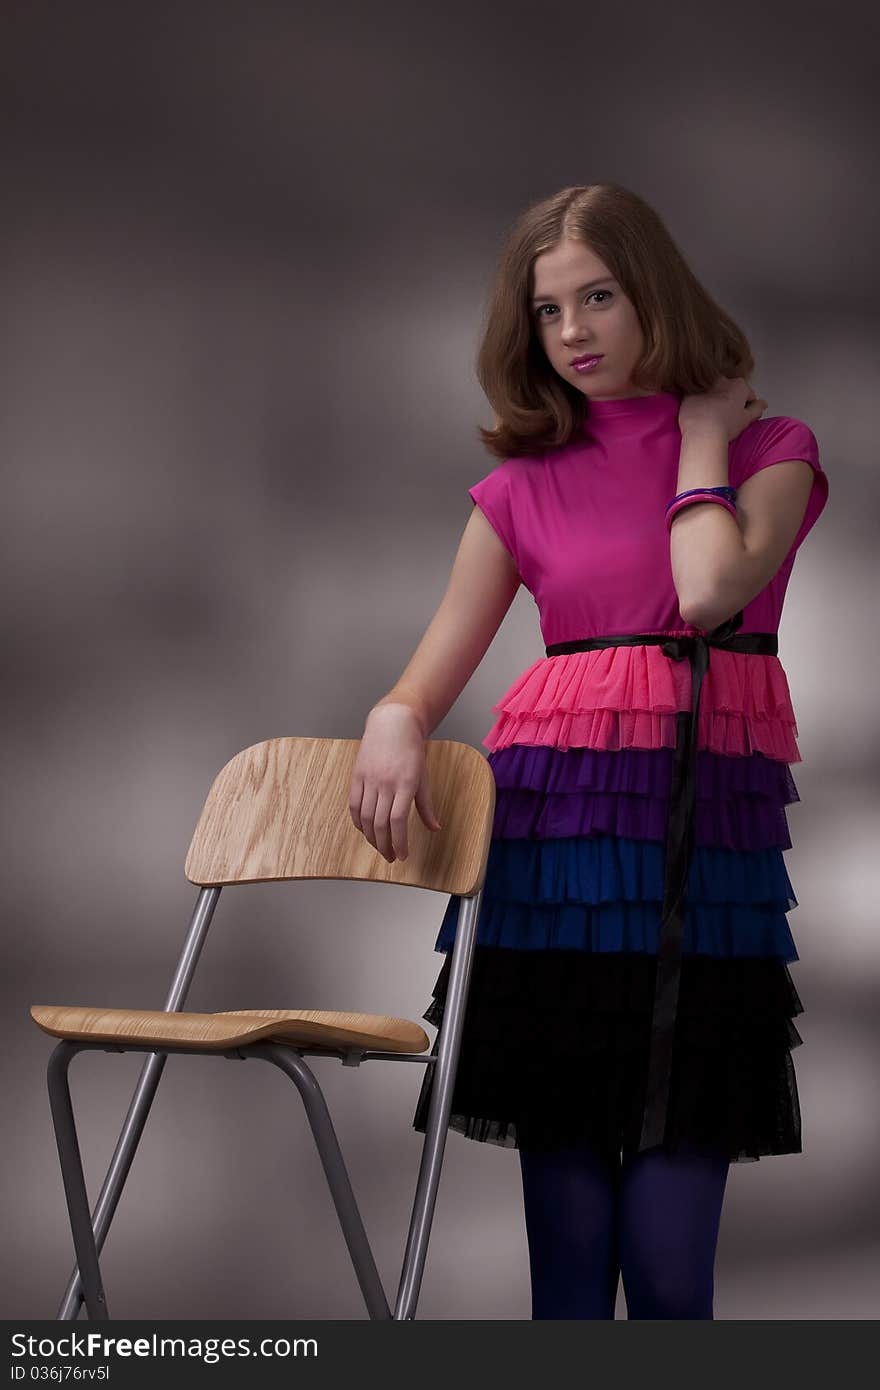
x=689 y=340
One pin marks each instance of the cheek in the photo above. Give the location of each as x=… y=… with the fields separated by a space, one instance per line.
x=630 y=327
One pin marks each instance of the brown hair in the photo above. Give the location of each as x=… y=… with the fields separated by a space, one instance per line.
x=689 y=340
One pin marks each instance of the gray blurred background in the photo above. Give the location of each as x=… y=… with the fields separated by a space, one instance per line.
x=246 y=251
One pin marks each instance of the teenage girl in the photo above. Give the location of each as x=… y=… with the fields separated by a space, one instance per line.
x=629 y=1017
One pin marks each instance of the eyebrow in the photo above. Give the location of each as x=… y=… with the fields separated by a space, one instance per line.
x=548 y=298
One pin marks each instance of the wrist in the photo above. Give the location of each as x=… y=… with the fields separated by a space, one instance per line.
x=399 y=706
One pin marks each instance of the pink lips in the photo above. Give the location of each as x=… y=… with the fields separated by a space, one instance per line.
x=586 y=364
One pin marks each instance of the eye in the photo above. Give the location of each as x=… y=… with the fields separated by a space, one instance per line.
x=541 y=307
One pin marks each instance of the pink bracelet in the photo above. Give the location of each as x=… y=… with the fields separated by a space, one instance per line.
x=683 y=502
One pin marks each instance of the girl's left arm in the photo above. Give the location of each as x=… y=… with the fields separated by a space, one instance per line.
x=721 y=562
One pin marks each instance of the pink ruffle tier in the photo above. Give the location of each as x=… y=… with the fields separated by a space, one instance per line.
x=628 y=697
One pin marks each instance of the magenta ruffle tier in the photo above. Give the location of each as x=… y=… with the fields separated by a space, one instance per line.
x=628 y=697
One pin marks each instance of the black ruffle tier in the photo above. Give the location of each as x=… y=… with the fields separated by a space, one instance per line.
x=555 y=1046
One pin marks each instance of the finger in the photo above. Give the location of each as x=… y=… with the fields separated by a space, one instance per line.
x=424 y=804
x=368 y=814
x=399 y=816
x=380 y=825
x=355 y=797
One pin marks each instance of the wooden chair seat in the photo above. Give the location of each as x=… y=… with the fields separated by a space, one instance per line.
x=231 y=1028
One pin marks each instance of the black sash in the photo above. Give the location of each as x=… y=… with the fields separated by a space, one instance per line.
x=679 y=837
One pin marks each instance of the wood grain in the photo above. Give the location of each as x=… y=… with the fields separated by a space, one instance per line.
x=213 y=1032
x=279 y=810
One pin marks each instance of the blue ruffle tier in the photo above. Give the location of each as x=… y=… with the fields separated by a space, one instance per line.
x=604 y=893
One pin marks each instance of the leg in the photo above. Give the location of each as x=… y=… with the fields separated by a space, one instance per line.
x=74 y=1181
x=670 y=1213
x=570 y=1210
x=139 y=1108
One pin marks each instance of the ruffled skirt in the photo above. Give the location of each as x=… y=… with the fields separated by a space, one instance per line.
x=558 y=1019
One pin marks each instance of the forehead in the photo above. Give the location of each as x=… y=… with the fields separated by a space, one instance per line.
x=568 y=264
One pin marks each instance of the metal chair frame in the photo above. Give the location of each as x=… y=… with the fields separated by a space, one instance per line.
x=89 y=1229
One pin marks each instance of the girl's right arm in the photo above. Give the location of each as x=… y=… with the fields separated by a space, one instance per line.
x=390 y=769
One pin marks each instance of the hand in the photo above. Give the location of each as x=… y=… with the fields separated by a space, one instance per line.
x=729 y=405
x=390 y=771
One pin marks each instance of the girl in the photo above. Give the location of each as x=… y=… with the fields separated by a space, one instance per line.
x=629 y=1018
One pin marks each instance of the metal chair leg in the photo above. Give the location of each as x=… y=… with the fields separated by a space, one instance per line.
x=436 y=1127
x=142 y=1099
x=74 y=1181
x=334 y=1169
x=432 y=1149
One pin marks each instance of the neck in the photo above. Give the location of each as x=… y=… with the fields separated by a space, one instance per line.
x=658 y=406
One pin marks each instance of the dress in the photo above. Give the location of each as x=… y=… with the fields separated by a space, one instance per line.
x=558 y=1021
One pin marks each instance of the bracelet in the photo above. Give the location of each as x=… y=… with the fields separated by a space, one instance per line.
x=725 y=495
x=728 y=492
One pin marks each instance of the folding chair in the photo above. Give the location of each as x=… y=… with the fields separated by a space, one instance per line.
x=279 y=811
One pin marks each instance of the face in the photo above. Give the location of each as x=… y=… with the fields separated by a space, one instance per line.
x=574 y=317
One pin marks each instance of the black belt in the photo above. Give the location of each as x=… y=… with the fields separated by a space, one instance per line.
x=679 y=838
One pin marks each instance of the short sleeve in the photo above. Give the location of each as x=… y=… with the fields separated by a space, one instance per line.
x=777 y=440
x=492 y=495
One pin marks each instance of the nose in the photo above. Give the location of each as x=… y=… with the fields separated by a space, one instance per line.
x=572 y=334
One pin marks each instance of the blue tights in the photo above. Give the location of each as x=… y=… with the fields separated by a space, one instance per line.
x=653 y=1219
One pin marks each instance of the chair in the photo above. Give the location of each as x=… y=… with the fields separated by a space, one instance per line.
x=279 y=811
